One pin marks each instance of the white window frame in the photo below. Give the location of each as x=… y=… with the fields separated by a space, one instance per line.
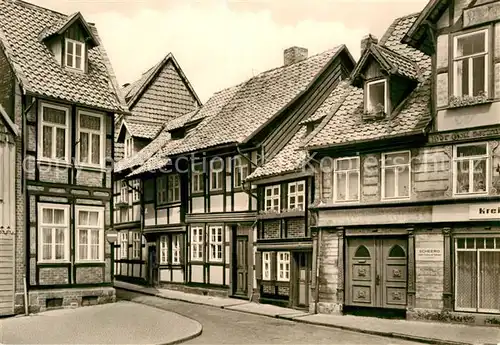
x=124 y=192
x=99 y=227
x=163 y=250
x=197 y=233
x=240 y=171
x=176 y=249
x=65 y=227
x=136 y=244
x=73 y=62
x=471 y=159
x=123 y=237
x=369 y=106
x=90 y=132
x=496 y=242
x=174 y=187
x=470 y=59
x=396 y=168
x=136 y=190
x=283 y=258
x=273 y=197
x=266 y=260
x=336 y=172
x=296 y=194
x=54 y=126
x=216 y=175
x=216 y=244
x=128 y=146
x=197 y=179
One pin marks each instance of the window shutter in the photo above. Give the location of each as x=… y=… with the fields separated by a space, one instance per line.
x=274 y=266
x=258 y=265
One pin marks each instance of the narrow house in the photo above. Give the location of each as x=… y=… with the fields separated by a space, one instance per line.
x=63 y=96
x=157 y=101
x=407 y=173
x=239 y=129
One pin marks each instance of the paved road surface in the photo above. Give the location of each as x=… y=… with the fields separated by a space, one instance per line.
x=229 y=327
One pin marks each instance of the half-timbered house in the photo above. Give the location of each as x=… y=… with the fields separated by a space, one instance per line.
x=407 y=173
x=158 y=102
x=241 y=128
x=59 y=88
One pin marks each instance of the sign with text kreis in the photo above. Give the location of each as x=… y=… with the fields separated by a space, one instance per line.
x=429 y=254
x=484 y=211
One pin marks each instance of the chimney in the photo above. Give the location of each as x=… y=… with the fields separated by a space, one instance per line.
x=293 y=55
x=366 y=41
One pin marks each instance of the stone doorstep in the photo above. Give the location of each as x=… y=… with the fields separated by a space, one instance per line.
x=298 y=316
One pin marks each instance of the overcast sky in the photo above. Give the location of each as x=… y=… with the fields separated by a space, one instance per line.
x=220 y=43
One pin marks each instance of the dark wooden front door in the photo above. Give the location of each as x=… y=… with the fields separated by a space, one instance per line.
x=376 y=272
x=152 y=266
x=302 y=282
x=241 y=266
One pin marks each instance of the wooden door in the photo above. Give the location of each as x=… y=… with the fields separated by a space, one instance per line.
x=6 y=273
x=376 y=272
x=303 y=278
x=152 y=266
x=241 y=265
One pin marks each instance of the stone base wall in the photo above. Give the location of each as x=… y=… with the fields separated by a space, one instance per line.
x=71 y=298
x=329 y=308
x=434 y=315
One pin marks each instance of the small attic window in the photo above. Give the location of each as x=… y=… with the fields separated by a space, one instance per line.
x=376 y=96
x=75 y=54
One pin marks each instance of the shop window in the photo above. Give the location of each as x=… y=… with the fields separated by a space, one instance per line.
x=346 y=180
x=396 y=175
x=397 y=252
x=471 y=169
x=477 y=274
x=362 y=252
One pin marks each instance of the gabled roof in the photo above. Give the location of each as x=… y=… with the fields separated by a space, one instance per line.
x=136 y=129
x=11 y=125
x=257 y=102
x=63 y=24
x=133 y=91
x=160 y=158
x=345 y=125
x=38 y=71
x=390 y=61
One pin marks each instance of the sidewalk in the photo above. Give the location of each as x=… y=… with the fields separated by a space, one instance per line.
x=114 y=323
x=428 y=332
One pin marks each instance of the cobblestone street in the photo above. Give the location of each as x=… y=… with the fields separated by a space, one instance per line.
x=228 y=327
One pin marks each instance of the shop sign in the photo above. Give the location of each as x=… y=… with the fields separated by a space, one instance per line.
x=484 y=211
x=429 y=254
x=438 y=138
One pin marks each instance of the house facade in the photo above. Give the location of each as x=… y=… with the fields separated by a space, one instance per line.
x=159 y=101
x=212 y=154
x=59 y=89
x=406 y=173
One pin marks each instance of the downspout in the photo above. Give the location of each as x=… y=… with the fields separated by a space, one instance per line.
x=318 y=246
x=255 y=165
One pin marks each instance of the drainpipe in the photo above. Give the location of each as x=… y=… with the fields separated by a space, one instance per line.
x=318 y=246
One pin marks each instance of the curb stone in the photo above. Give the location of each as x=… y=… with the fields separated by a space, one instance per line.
x=298 y=319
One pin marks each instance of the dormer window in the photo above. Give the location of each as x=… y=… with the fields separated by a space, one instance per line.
x=376 y=96
x=470 y=65
x=75 y=54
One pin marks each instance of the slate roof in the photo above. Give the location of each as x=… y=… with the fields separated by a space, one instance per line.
x=346 y=126
x=290 y=159
x=39 y=73
x=256 y=102
x=212 y=107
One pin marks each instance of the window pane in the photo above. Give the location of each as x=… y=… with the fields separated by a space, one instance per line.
x=341 y=186
x=353 y=186
x=478 y=72
x=466 y=280
x=47 y=216
x=84 y=147
x=300 y=187
x=292 y=202
x=78 y=49
x=90 y=122
x=47 y=141
x=268 y=192
x=94 y=218
x=462 y=176
x=390 y=183
x=376 y=94
x=479 y=175
x=52 y=115
x=462 y=77
x=471 y=44
x=292 y=187
x=83 y=218
x=83 y=245
x=61 y=143
x=58 y=216
x=47 y=243
x=276 y=190
x=94 y=240
x=461 y=243
x=59 y=244
x=404 y=181
x=96 y=149
x=489 y=280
